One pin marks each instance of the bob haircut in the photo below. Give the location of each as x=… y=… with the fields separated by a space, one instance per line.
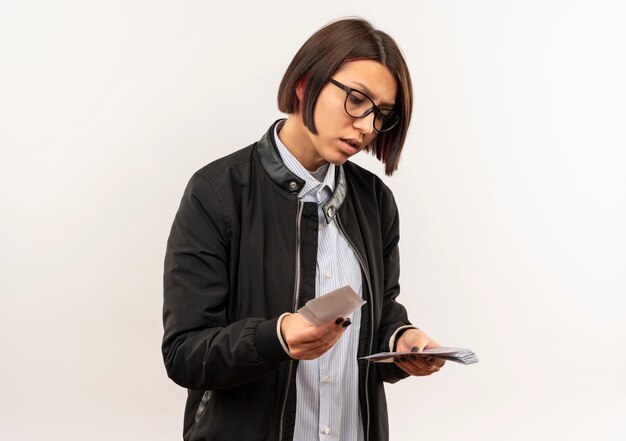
x=328 y=50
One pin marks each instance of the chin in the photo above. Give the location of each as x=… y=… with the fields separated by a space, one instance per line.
x=337 y=158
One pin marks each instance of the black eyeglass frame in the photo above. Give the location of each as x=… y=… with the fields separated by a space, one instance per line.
x=376 y=109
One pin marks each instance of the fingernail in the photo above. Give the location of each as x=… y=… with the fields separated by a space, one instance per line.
x=339 y=320
x=415 y=349
x=346 y=323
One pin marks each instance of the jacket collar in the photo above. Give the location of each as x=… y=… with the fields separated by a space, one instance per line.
x=288 y=181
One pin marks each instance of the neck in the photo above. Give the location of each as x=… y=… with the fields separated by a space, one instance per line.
x=295 y=136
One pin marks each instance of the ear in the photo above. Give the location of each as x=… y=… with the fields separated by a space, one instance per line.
x=300 y=88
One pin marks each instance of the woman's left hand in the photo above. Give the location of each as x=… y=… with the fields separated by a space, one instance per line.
x=416 y=340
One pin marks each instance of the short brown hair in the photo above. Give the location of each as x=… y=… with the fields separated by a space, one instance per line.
x=329 y=49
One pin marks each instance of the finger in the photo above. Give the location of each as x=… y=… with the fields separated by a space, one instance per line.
x=309 y=350
x=327 y=340
x=435 y=361
x=411 y=370
x=415 y=340
x=419 y=363
x=418 y=370
x=318 y=351
x=313 y=334
x=421 y=342
x=331 y=327
x=314 y=345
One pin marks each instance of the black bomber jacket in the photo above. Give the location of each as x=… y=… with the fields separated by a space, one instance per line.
x=239 y=241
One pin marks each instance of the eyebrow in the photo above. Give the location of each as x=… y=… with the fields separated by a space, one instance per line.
x=369 y=93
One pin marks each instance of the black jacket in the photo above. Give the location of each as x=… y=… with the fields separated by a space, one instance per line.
x=230 y=272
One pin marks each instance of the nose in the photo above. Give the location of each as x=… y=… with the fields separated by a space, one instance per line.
x=365 y=124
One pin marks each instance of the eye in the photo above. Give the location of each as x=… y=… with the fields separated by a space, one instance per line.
x=384 y=115
x=354 y=99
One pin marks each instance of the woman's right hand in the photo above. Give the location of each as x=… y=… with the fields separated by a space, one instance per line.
x=307 y=341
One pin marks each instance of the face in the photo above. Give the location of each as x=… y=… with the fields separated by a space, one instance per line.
x=339 y=136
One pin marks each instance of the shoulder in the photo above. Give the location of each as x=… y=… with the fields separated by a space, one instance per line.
x=213 y=192
x=365 y=183
x=224 y=175
x=217 y=186
x=236 y=162
x=373 y=195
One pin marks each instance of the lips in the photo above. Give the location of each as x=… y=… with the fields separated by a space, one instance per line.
x=352 y=143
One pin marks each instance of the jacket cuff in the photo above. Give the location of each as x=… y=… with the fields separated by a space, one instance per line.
x=283 y=343
x=267 y=342
x=399 y=331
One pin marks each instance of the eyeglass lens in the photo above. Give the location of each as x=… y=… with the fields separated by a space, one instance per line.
x=359 y=105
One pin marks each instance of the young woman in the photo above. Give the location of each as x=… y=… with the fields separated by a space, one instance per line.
x=287 y=219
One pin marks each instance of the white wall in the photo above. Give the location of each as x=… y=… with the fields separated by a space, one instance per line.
x=512 y=194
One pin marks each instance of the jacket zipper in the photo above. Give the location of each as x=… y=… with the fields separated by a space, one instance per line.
x=369 y=286
x=206 y=396
x=295 y=308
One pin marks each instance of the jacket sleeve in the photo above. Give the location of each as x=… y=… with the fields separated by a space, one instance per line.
x=393 y=314
x=201 y=349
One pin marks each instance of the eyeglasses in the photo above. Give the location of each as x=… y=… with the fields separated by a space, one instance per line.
x=359 y=105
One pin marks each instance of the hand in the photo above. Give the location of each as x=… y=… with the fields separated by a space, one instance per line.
x=306 y=341
x=416 y=340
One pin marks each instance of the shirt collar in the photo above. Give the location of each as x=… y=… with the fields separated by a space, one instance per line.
x=311 y=184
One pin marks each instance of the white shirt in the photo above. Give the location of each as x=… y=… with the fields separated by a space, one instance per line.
x=327 y=387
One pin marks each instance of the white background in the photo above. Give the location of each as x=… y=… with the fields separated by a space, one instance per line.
x=512 y=194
